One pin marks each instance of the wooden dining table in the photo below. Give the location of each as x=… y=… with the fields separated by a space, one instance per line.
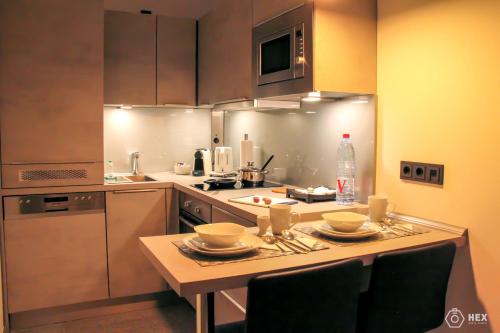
x=187 y=278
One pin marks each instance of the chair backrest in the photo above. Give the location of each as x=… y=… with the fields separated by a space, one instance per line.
x=407 y=290
x=312 y=300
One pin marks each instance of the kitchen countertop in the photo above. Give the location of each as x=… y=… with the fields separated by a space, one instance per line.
x=218 y=198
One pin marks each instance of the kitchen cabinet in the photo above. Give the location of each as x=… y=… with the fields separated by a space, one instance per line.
x=264 y=10
x=221 y=215
x=224 y=52
x=129 y=58
x=339 y=41
x=51 y=98
x=176 y=61
x=131 y=214
x=149 y=60
x=54 y=260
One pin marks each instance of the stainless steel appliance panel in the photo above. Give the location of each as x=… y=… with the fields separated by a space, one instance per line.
x=282 y=54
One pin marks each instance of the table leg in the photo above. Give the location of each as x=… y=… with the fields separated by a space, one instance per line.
x=205 y=313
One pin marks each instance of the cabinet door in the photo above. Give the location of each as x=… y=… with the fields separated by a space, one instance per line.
x=266 y=9
x=55 y=260
x=225 y=52
x=129 y=58
x=51 y=56
x=176 y=65
x=220 y=215
x=131 y=214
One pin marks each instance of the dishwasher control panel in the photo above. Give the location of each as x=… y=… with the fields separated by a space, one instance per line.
x=61 y=202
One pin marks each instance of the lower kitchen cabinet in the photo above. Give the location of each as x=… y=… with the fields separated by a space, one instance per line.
x=131 y=214
x=54 y=259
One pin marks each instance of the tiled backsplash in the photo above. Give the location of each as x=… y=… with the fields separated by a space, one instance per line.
x=162 y=136
x=304 y=142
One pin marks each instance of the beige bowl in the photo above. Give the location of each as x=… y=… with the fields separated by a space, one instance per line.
x=220 y=234
x=345 y=221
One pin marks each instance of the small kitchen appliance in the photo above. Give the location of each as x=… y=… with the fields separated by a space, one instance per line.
x=202 y=162
x=223 y=159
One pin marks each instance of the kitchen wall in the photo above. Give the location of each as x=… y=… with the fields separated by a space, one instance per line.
x=162 y=136
x=304 y=142
x=438 y=102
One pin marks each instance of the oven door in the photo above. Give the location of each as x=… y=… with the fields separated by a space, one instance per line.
x=187 y=222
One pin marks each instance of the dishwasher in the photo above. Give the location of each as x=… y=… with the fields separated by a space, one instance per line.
x=55 y=250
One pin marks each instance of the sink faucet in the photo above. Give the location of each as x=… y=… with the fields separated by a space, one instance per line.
x=135 y=163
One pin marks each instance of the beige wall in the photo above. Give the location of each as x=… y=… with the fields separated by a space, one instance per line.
x=439 y=102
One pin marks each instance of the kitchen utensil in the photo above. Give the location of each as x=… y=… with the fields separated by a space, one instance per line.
x=377 y=207
x=303 y=194
x=327 y=230
x=267 y=163
x=271 y=240
x=223 y=159
x=181 y=168
x=221 y=183
x=220 y=234
x=279 y=190
x=282 y=218
x=249 y=200
x=263 y=222
x=252 y=174
x=288 y=235
x=345 y=221
x=294 y=247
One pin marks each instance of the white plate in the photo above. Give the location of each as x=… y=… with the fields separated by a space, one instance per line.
x=253 y=242
x=199 y=243
x=363 y=232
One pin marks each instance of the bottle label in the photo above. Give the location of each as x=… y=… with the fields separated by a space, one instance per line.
x=344 y=184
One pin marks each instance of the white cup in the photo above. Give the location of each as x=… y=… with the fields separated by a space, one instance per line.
x=263 y=222
x=377 y=207
x=282 y=218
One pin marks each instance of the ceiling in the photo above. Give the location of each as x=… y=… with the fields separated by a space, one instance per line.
x=177 y=8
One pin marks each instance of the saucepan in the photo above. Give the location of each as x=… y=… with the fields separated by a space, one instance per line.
x=253 y=175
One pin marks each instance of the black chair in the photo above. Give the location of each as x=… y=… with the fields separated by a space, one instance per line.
x=311 y=300
x=407 y=290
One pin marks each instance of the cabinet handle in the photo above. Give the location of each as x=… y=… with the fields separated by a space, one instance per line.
x=197 y=210
x=135 y=191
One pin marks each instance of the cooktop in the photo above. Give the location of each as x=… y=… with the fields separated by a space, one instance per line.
x=211 y=187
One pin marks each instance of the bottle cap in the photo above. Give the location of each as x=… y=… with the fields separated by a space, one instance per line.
x=346 y=136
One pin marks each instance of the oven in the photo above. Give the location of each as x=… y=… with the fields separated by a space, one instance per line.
x=192 y=212
x=282 y=54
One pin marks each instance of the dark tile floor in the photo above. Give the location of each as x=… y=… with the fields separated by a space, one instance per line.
x=173 y=318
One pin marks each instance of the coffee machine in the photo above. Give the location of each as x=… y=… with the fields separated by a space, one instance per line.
x=202 y=162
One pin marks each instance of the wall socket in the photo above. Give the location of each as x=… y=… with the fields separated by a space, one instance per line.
x=422 y=172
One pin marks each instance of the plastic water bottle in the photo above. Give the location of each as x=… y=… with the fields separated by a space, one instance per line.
x=346 y=171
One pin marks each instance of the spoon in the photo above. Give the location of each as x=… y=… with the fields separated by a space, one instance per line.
x=272 y=240
x=288 y=235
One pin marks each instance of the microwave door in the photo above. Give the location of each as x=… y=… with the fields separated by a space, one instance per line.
x=276 y=60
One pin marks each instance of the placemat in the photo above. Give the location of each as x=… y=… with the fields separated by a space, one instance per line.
x=381 y=236
x=259 y=253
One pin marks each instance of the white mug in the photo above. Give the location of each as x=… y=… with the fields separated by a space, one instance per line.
x=282 y=218
x=377 y=207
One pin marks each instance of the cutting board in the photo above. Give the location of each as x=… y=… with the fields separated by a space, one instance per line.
x=248 y=200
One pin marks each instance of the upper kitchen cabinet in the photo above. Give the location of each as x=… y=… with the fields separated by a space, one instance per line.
x=129 y=58
x=321 y=46
x=264 y=10
x=51 y=59
x=149 y=60
x=224 y=54
x=176 y=61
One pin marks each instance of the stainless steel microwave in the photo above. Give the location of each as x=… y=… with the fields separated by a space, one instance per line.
x=282 y=54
